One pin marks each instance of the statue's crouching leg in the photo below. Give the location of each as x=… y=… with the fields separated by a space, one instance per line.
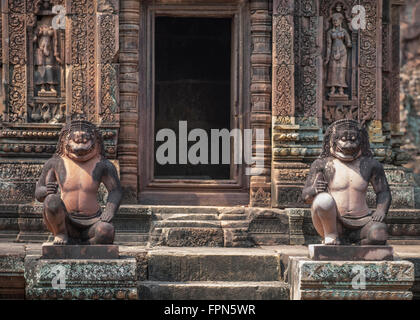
x=55 y=218
x=324 y=217
x=374 y=233
x=101 y=233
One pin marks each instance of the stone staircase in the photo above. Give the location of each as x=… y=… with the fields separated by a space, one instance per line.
x=195 y=226
x=203 y=226
x=213 y=273
x=180 y=226
x=192 y=273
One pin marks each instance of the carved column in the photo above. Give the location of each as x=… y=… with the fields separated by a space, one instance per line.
x=2 y=89
x=260 y=187
x=15 y=59
x=396 y=135
x=283 y=91
x=79 y=104
x=386 y=67
x=129 y=86
x=297 y=100
x=107 y=43
x=370 y=76
x=92 y=32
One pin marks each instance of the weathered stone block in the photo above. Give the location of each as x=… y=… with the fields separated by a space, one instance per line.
x=213 y=265
x=237 y=237
x=83 y=279
x=321 y=252
x=192 y=237
x=267 y=290
x=350 y=280
x=12 y=282
x=140 y=254
x=51 y=251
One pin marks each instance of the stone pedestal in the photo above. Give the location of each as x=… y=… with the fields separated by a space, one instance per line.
x=350 y=280
x=51 y=251
x=12 y=283
x=80 y=278
x=319 y=252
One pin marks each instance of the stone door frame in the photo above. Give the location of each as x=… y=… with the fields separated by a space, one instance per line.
x=186 y=191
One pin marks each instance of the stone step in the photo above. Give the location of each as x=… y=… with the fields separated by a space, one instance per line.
x=184 y=236
x=221 y=290
x=191 y=217
x=186 y=224
x=232 y=217
x=181 y=209
x=213 y=264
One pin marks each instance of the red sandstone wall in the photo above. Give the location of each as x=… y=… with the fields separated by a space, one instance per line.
x=410 y=80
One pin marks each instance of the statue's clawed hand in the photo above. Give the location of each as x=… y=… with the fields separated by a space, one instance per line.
x=378 y=216
x=321 y=186
x=106 y=216
x=52 y=188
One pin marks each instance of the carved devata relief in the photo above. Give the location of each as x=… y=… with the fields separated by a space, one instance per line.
x=58 y=64
x=340 y=43
x=34 y=70
x=35 y=75
x=46 y=87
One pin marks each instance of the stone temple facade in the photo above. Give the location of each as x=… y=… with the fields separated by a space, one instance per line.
x=135 y=66
x=410 y=81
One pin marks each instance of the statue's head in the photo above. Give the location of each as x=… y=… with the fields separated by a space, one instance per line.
x=337 y=19
x=346 y=140
x=80 y=141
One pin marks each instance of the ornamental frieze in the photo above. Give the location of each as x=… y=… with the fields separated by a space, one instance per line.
x=57 y=54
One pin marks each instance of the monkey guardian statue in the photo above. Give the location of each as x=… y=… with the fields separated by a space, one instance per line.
x=79 y=166
x=337 y=185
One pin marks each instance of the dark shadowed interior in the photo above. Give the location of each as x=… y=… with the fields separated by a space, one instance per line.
x=192 y=83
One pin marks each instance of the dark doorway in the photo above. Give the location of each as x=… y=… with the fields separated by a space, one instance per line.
x=193 y=84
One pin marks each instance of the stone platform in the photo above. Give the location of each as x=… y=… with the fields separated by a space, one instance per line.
x=12 y=283
x=199 y=226
x=319 y=252
x=51 y=251
x=80 y=279
x=192 y=273
x=350 y=280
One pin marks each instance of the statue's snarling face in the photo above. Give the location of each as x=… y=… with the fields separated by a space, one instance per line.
x=81 y=142
x=346 y=140
x=346 y=144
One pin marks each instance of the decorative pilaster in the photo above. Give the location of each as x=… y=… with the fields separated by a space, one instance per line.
x=108 y=46
x=129 y=86
x=92 y=66
x=2 y=89
x=260 y=187
x=396 y=135
x=297 y=101
x=77 y=59
x=370 y=45
x=14 y=20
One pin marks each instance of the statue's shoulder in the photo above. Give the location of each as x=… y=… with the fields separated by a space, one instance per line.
x=106 y=164
x=53 y=161
x=371 y=163
x=321 y=162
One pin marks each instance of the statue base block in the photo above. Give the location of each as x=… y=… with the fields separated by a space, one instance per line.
x=320 y=252
x=51 y=251
x=50 y=279
x=350 y=280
